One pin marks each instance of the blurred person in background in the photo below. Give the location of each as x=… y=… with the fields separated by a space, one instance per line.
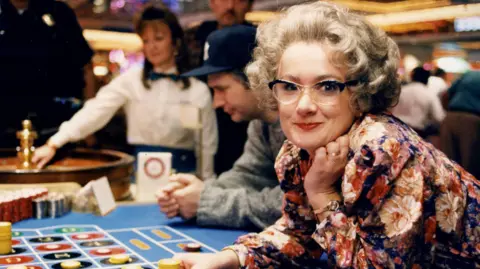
x=437 y=82
x=45 y=66
x=151 y=97
x=418 y=106
x=460 y=131
x=232 y=135
x=227 y=13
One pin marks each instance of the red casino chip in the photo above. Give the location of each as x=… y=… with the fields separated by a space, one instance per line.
x=87 y=236
x=53 y=247
x=107 y=251
x=154 y=168
x=192 y=247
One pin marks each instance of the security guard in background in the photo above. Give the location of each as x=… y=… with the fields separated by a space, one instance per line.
x=45 y=63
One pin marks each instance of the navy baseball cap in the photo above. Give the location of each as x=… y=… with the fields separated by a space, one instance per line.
x=226 y=49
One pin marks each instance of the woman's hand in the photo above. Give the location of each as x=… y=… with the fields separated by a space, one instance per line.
x=328 y=165
x=43 y=155
x=223 y=260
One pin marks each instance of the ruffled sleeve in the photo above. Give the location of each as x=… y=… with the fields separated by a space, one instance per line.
x=355 y=236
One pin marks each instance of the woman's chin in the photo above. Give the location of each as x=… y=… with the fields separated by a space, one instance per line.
x=309 y=146
x=307 y=141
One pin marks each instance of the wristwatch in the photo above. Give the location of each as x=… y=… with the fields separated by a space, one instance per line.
x=332 y=206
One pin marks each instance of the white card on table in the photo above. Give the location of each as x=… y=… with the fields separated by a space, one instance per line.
x=190 y=116
x=104 y=196
x=153 y=170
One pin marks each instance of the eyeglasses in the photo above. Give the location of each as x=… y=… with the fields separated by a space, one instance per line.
x=324 y=92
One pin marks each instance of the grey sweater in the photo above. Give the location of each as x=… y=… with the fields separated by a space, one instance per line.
x=249 y=193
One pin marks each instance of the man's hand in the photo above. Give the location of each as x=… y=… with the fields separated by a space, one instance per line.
x=167 y=204
x=188 y=197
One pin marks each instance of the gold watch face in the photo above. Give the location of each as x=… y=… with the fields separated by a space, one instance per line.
x=333 y=205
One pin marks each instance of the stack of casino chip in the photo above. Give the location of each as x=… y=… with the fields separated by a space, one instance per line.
x=26 y=203
x=53 y=205
x=17 y=205
x=40 y=208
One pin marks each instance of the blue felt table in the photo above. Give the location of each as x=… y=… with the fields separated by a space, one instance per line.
x=133 y=216
x=138 y=230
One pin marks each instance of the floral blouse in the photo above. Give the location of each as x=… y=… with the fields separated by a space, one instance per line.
x=406 y=205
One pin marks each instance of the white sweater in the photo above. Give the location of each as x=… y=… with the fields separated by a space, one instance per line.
x=153 y=115
x=419 y=106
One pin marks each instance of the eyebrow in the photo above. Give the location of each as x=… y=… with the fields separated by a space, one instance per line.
x=317 y=78
x=218 y=87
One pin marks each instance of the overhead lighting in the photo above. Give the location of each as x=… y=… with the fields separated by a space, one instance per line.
x=100 y=71
x=108 y=40
x=398 y=18
x=432 y=14
x=259 y=16
x=453 y=64
x=467 y=24
x=397 y=6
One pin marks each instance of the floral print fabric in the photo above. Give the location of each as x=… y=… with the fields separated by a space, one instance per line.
x=406 y=206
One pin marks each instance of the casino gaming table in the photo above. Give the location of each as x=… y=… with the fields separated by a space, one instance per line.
x=141 y=231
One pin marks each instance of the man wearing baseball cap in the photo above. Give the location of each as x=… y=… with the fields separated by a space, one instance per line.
x=248 y=194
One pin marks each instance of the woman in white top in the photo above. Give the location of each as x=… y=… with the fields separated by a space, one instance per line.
x=153 y=98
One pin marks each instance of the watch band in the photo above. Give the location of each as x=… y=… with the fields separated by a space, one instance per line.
x=332 y=206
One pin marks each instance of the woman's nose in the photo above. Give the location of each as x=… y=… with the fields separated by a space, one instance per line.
x=306 y=105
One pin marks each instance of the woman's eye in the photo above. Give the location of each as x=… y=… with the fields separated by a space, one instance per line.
x=290 y=87
x=327 y=86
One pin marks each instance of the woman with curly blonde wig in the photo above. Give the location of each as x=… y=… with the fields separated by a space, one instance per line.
x=362 y=189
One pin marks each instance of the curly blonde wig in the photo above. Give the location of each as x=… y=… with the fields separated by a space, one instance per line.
x=366 y=51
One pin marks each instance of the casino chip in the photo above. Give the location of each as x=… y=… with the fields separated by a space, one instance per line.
x=119 y=259
x=192 y=247
x=71 y=265
x=168 y=264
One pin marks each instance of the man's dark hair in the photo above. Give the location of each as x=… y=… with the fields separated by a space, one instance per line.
x=241 y=77
x=419 y=74
x=439 y=72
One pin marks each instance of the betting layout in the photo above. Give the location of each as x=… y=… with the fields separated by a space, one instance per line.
x=89 y=246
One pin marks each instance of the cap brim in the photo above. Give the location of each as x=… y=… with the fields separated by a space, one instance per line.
x=205 y=70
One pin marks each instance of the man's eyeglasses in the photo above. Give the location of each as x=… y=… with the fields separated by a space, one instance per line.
x=324 y=92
